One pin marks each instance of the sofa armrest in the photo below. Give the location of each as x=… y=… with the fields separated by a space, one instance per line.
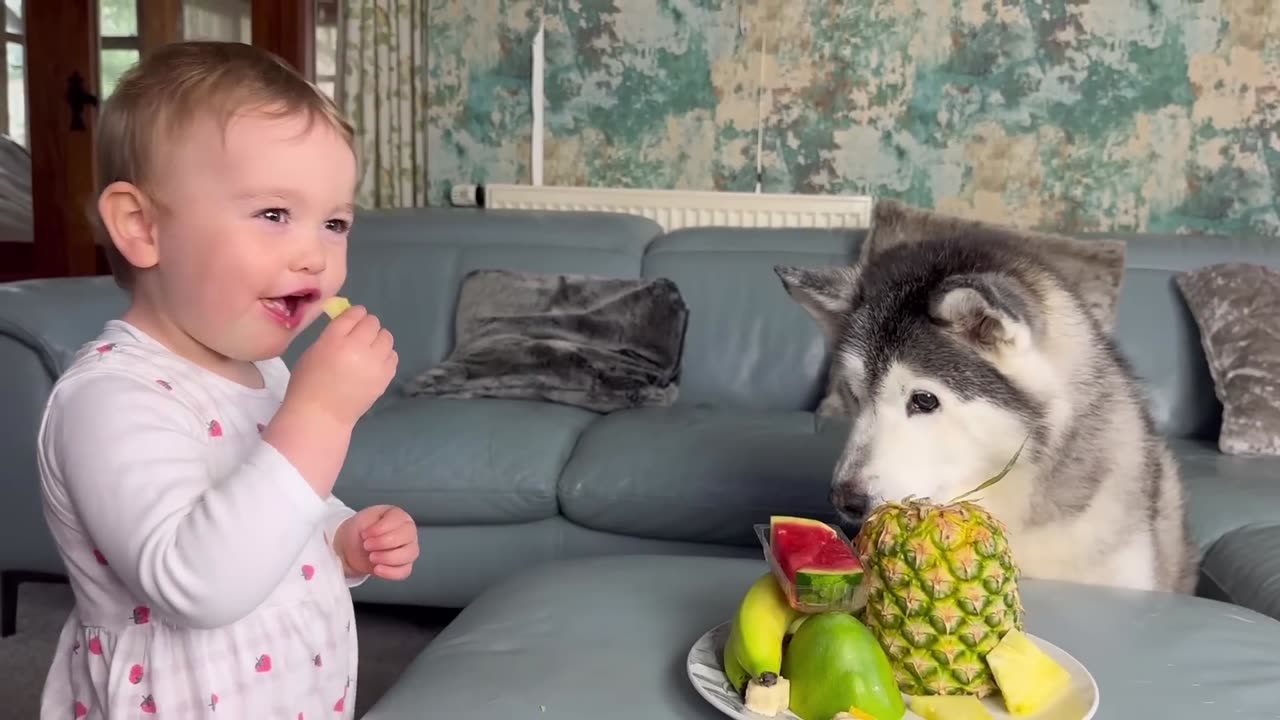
x=42 y=325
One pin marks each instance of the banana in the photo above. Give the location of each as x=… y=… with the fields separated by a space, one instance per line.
x=795 y=624
x=732 y=668
x=760 y=626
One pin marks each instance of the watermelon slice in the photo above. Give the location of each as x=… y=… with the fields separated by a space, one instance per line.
x=819 y=564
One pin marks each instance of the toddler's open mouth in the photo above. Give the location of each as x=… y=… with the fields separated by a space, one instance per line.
x=288 y=309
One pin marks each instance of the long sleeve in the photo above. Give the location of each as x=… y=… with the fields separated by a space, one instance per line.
x=336 y=512
x=134 y=462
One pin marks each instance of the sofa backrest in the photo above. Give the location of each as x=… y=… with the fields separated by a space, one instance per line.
x=748 y=344
x=1156 y=332
x=407 y=265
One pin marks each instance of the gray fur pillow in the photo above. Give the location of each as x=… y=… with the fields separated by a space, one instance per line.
x=602 y=344
x=1237 y=309
x=1095 y=268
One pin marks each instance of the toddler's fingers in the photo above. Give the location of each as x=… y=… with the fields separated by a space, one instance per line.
x=392 y=573
x=388 y=540
x=390 y=520
x=383 y=343
x=342 y=324
x=394 y=534
x=402 y=555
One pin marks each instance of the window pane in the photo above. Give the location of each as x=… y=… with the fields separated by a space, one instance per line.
x=114 y=63
x=216 y=20
x=13 y=16
x=15 y=59
x=119 y=18
x=326 y=50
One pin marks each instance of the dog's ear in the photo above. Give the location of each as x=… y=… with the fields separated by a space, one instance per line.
x=985 y=310
x=825 y=292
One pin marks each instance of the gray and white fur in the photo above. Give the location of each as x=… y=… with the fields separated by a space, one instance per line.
x=953 y=352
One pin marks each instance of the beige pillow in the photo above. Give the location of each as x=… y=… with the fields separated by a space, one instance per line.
x=1236 y=307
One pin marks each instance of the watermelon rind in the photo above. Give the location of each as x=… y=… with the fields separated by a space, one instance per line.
x=815 y=564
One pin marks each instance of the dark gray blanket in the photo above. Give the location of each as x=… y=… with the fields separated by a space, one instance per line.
x=598 y=343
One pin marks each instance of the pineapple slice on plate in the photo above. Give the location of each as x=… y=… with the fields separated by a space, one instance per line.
x=1027 y=677
x=949 y=707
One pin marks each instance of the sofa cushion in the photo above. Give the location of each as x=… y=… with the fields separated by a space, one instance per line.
x=698 y=474
x=1245 y=567
x=452 y=462
x=749 y=345
x=1226 y=492
x=1157 y=334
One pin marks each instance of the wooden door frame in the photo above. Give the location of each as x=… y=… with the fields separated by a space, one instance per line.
x=62 y=43
x=159 y=23
x=288 y=29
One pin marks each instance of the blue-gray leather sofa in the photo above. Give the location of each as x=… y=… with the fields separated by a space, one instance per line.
x=500 y=485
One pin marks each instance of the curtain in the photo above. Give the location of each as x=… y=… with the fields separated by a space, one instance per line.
x=382 y=89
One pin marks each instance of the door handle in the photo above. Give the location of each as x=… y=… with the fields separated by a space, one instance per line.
x=77 y=99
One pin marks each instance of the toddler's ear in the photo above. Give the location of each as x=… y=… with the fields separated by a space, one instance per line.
x=129 y=217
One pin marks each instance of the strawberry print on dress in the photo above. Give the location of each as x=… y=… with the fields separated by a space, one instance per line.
x=120 y=655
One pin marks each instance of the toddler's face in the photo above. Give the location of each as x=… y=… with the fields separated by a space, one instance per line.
x=253 y=235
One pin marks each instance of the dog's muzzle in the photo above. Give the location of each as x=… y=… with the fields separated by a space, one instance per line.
x=850 y=502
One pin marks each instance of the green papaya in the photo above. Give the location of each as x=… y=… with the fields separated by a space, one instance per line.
x=834 y=663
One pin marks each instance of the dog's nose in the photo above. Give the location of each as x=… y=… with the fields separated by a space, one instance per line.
x=850 y=501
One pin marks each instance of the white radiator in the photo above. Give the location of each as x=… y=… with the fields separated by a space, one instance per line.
x=675 y=209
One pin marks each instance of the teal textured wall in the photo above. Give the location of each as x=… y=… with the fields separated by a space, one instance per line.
x=1159 y=115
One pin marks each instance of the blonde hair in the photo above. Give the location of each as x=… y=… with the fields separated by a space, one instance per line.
x=160 y=96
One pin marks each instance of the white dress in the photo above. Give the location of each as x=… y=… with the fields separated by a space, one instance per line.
x=205 y=582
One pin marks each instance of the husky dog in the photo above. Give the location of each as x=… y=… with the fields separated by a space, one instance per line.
x=953 y=353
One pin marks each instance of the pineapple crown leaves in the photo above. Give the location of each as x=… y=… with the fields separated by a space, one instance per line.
x=992 y=481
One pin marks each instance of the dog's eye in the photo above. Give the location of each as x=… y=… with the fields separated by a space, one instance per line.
x=922 y=401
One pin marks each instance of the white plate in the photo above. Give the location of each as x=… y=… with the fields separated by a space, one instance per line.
x=707 y=675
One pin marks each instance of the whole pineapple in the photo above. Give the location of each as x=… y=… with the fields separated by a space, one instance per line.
x=942 y=592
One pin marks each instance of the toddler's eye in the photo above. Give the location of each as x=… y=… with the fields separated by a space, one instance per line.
x=274 y=214
x=337 y=226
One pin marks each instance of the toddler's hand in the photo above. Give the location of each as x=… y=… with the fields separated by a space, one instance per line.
x=348 y=367
x=380 y=540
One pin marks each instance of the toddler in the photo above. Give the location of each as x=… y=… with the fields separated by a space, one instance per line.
x=186 y=475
